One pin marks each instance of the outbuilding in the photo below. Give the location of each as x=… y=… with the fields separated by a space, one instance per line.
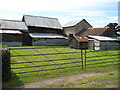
x=74 y=27
x=44 y=31
x=103 y=43
x=13 y=32
x=78 y=42
x=49 y=39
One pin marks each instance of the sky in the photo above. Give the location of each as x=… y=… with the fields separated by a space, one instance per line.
x=98 y=13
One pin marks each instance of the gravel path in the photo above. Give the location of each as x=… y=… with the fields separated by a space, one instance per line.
x=68 y=78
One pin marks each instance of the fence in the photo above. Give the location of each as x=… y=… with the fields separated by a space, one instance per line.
x=99 y=57
x=38 y=59
x=26 y=60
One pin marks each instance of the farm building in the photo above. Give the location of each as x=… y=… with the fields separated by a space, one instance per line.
x=102 y=31
x=78 y=42
x=44 y=31
x=103 y=43
x=12 y=32
x=75 y=27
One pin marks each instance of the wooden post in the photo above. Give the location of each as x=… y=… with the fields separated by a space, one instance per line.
x=82 y=58
x=85 y=57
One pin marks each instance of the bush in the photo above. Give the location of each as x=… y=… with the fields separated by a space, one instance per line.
x=6 y=70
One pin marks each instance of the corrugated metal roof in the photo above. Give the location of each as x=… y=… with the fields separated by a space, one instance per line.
x=39 y=21
x=13 y=24
x=103 y=38
x=72 y=23
x=10 y=31
x=93 y=31
x=46 y=35
x=79 y=39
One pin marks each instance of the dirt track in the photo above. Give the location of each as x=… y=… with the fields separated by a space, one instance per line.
x=68 y=79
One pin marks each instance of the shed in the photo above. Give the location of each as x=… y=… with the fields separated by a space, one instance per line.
x=48 y=39
x=97 y=31
x=78 y=42
x=12 y=32
x=11 y=38
x=44 y=27
x=75 y=27
x=103 y=43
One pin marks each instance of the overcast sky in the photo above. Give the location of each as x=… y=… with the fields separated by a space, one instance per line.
x=97 y=12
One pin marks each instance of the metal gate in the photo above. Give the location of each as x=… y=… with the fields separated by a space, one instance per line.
x=36 y=59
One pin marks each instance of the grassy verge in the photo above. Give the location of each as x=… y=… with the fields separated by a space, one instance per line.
x=27 y=78
x=98 y=81
x=98 y=85
x=21 y=79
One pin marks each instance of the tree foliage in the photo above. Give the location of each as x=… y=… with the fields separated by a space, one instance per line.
x=112 y=25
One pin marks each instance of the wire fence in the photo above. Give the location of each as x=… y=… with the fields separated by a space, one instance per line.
x=36 y=59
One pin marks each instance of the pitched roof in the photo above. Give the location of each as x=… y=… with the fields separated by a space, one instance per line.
x=93 y=31
x=40 y=21
x=13 y=24
x=73 y=23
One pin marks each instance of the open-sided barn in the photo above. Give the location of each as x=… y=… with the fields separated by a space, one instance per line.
x=103 y=43
x=12 y=32
x=44 y=31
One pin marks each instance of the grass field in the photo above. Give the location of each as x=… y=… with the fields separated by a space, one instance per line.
x=92 y=58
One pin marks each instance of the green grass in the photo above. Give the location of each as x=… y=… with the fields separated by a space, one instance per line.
x=27 y=78
x=20 y=79
x=96 y=85
x=82 y=83
x=43 y=58
x=97 y=78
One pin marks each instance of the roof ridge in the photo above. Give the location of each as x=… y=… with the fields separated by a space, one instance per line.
x=11 y=20
x=101 y=27
x=41 y=16
x=74 y=22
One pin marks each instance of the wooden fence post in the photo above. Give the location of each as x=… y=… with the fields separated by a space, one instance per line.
x=82 y=58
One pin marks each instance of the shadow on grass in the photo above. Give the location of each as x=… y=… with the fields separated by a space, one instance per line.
x=13 y=82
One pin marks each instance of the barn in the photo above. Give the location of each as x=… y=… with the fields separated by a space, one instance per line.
x=12 y=32
x=44 y=31
x=103 y=43
x=78 y=42
x=75 y=27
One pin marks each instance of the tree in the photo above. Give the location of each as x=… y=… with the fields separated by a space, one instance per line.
x=112 y=25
